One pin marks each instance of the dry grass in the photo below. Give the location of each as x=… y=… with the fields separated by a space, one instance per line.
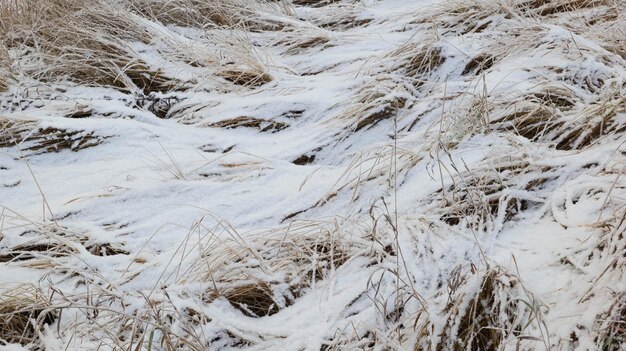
x=377 y=100
x=485 y=316
x=83 y=42
x=471 y=17
x=598 y=120
x=611 y=242
x=553 y=7
x=608 y=28
x=242 y=74
x=23 y=311
x=314 y=3
x=262 y=273
x=416 y=61
x=89 y=42
x=479 y=63
x=544 y=116
x=300 y=39
x=266 y=272
x=33 y=139
x=248 y=15
x=49 y=245
x=612 y=325
x=262 y=125
x=5 y=69
x=486 y=198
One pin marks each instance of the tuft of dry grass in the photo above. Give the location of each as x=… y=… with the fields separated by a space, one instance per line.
x=314 y=3
x=5 y=68
x=248 y=15
x=92 y=42
x=379 y=99
x=486 y=198
x=23 y=312
x=479 y=63
x=245 y=75
x=555 y=114
x=80 y=41
x=601 y=119
x=268 y=271
x=301 y=39
x=553 y=7
x=416 y=61
x=612 y=325
x=486 y=310
x=262 y=125
x=33 y=139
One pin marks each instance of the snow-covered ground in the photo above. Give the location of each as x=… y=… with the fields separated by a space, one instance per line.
x=410 y=175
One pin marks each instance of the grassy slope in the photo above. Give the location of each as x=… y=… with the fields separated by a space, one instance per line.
x=339 y=175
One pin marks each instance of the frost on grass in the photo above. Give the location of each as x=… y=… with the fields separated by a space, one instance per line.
x=312 y=175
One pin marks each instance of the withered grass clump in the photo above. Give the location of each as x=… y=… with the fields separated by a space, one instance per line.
x=415 y=61
x=379 y=99
x=221 y=13
x=245 y=75
x=80 y=41
x=5 y=68
x=598 y=120
x=465 y=16
x=550 y=115
x=611 y=242
x=23 y=312
x=387 y=111
x=608 y=28
x=36 y=254
x=48 y=243
x=479 y=64
x=300 y=39
x=553 y=7
x=262 y=125
x=486 y=198
x=485 y=316
x=269 y=271
x=534 y=115
x=530 y=120
x=253 y=299
x=612 y=326
x=33 y=139
x=314 y=3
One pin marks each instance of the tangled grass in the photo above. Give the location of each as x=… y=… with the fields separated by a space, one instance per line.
x=24 y=310
x=432 y=115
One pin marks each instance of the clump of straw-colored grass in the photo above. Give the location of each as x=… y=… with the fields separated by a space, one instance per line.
x=23 y=312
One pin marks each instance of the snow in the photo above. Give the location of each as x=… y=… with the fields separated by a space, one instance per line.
x=170 y=191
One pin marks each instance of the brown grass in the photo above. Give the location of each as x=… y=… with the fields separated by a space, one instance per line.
x=598 y=120
x=548 y=116
x=245 y=75
x=415 y=61
x=314 y=3
x=5 y=68
x=479 y=63
x=241 y=271
x=379 y=99
x=23 y=312
x=612 y=325
x=80 y=41
x=220 y=13
x=486 y=198
x=484 y=317
x=34 y=140
x=552 y=7
x=301 y=39
x=263 y=125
